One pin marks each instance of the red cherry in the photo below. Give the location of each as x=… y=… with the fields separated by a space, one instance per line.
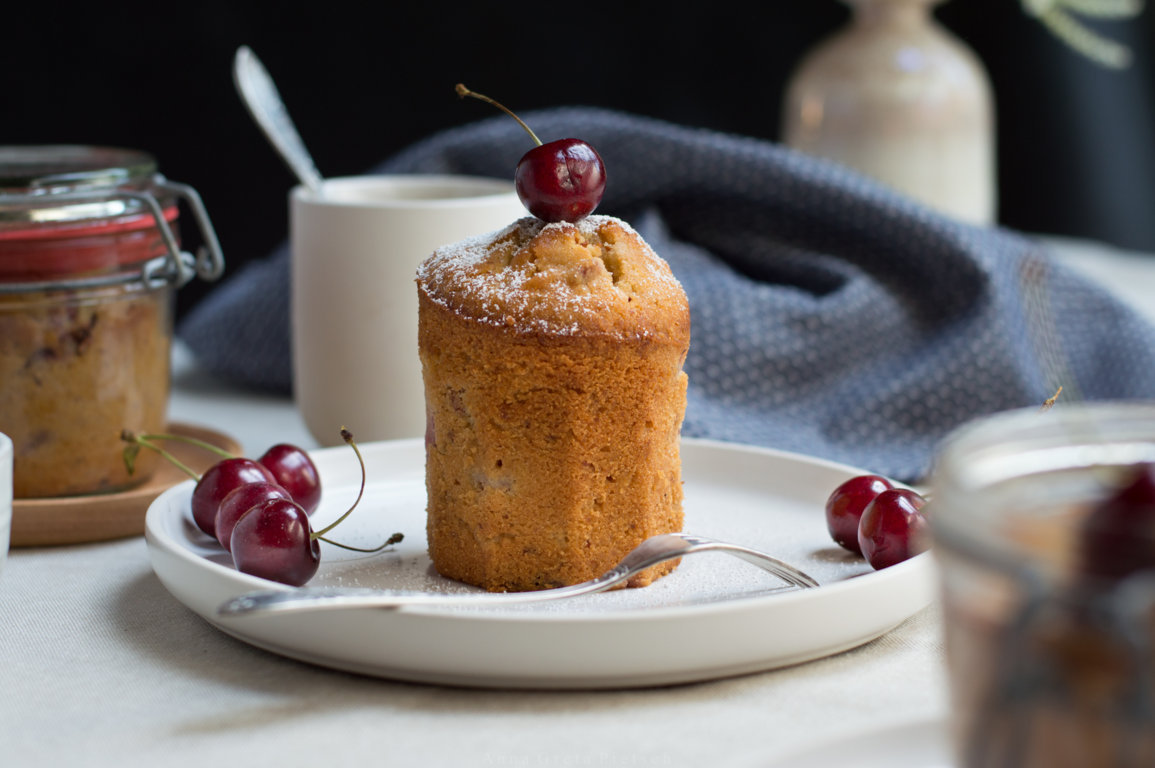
x=845 y=506
x=240 y=500
x=216 y=483
x=561 y=181
x=295 y=472
x=892 y=528
x=1118 y=537
x=273 y=541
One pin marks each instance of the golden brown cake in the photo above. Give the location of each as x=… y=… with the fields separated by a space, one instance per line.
x=552 y=356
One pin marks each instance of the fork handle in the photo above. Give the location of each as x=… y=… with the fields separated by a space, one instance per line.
x=330 y=598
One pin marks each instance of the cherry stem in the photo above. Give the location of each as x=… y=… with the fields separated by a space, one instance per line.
x=347 y=436
x=462 y=91
x=146 y=441
x=189 y=440
x=389 y=541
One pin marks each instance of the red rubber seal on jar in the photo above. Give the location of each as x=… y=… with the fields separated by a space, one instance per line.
x=48 y=251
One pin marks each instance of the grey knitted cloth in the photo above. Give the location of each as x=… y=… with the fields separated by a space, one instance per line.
x=829 y=315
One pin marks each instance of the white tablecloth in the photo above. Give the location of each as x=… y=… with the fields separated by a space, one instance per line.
x=103 y=667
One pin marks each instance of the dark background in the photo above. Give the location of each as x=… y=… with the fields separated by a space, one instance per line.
x=363 y=80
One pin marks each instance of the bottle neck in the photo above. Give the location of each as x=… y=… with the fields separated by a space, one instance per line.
x=892 y=13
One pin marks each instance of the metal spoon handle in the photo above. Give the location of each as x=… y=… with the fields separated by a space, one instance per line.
x=264 y=102
x=654 y=550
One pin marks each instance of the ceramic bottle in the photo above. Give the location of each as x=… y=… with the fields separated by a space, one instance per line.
x=897 y=96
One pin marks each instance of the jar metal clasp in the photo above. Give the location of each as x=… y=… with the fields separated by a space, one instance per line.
x=175 y=267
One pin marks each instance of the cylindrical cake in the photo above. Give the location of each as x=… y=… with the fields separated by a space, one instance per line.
x=552 y=359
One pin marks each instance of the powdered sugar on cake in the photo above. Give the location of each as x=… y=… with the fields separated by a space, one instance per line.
x=596 y=276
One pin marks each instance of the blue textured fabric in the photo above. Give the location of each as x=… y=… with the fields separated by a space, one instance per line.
x=830 y=316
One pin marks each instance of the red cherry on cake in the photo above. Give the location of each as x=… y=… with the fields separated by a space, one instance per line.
x=563 y=180
x=846 y=504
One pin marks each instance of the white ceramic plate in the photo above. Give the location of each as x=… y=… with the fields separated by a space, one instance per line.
x=923 y=744
x=715 y=616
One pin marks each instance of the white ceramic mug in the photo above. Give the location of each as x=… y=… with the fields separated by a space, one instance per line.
x=5 y=495
x=355 y=251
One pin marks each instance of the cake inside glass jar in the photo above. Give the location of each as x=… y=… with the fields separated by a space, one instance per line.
x=1053 y=659
x=552 y=356
x=77 y=369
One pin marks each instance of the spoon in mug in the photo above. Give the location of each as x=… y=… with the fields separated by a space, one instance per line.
x=650 y=552
x=265 y=105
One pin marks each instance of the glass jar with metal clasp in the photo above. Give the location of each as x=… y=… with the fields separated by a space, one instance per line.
x=90 y=259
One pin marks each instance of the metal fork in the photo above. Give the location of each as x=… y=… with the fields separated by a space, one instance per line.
x=650 y=552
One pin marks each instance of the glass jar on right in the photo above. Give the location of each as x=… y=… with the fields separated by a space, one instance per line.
x=1044 y=528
